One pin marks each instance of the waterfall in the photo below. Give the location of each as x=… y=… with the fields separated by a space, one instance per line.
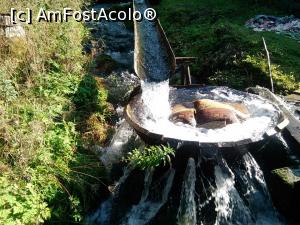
x=229 y=194
x=230 y=207
x=241 y=195
x=102 y=215
x=114 y=152
x=147 y=184
x=187 y=208
x=155 y=100
x=146 y=209
x=255 y=192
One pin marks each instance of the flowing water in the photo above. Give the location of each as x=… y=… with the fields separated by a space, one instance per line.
x=187 y=214
x=147 y=208
x=156 y=100
x=237 y=192
x=208 y=190
x=116 y=150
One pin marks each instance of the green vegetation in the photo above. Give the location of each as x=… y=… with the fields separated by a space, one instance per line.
x=151 y=156
x=49 y=108
x=228 y=52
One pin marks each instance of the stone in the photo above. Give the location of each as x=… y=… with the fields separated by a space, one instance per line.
x=213 y=125
x=285 y=188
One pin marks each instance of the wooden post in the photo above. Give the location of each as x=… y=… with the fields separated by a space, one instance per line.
x=269 y=64
x=185 y=62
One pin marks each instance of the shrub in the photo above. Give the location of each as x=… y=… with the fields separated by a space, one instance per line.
x=151 y=156
x=46 y=174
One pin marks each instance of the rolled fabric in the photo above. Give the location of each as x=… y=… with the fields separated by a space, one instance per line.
x=179 y=107
x=207 y=115
x=240 y=110
x=186 y=116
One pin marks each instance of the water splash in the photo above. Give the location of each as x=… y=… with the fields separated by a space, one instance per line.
x=255 y=192
x=230 y=207
x=187 y=208
x=153 y=110
x=103 y=214
x=115 y=151
x=155 y=102
x=142 y=213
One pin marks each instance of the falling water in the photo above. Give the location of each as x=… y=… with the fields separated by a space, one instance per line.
x=102 y=215
x=230 y=207
x=250 y=202
x=187 y=208
x=255 y=191
x=114 y=152
x=146 y=209
x=238 y=192
x=155 y=100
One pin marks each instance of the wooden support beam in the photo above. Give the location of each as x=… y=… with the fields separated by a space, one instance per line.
x=185 y=60
x=184 y=63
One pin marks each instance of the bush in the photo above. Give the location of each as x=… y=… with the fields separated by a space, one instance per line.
x=46 y=174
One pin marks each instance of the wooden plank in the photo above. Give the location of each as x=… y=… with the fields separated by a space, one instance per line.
x=293 y=127
x=185 y=60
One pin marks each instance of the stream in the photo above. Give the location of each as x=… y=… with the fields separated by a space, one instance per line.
x=199 y=188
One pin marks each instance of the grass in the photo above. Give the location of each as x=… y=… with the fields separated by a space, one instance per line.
x=228 y=52
x=51 y=110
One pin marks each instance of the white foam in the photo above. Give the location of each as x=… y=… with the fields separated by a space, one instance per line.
x=156 y=110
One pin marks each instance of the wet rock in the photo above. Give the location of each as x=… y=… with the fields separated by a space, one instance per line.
x=213 y=125
x=117 y=41
x=285 y=187
x=120 y=86
x=105 y=64
x=208 y=113
x=128 y=194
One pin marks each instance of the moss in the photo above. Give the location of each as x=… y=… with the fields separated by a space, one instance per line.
x=287 y=176
x=105 y=64
x=97 y=131
x=285 y=189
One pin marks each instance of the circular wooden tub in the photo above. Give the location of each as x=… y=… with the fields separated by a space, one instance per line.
x=157 y=139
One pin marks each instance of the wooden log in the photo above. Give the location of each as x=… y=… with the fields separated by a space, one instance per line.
x=293 y=127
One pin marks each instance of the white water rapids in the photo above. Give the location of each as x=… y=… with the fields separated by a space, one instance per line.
x=239 y=195
x=154 y=108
